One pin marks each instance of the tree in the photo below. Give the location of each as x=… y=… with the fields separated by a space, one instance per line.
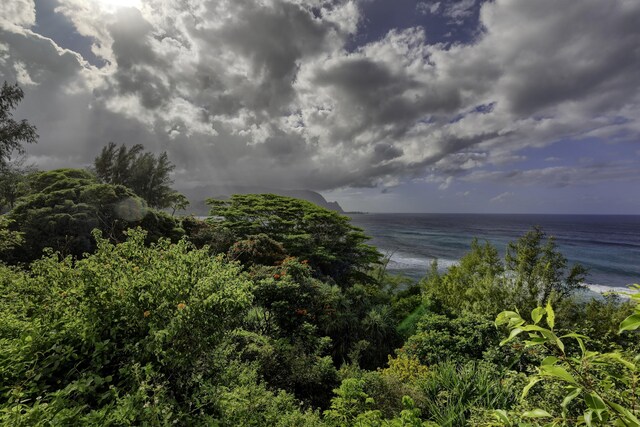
x=8 y=239
x=178 y=203
x=144 y=173
x=475 y=284
x=65 y=205
x=539 y=270
x=109 y=340
x=534 y=271
x=457 y=339
x=332 y=246
x=13 y=182
x=13 y=133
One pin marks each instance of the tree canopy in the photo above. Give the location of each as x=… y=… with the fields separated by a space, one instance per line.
x=146 y=174
x=13 y=133
x=541 y=270
x=326 y=239
x=533 y=272
x=163 y=333
x=65 y=205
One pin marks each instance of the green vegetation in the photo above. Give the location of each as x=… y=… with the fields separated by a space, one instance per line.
x=333 y=247
x=532 y=273
x=144 y=173
x=63 y=206
x=13 y=182
x=13 y=133
x=598 y=388
x=165 y=333
x=275 y=312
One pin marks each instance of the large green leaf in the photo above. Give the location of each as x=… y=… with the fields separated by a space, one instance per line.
x=526 y=389
x=551 y=316
x=557 y=372
x=595 y=403
x=568 y=398
x=514 y=333
x=629 y=418
x=631 y=323
x=588 y=416
x=537 y=413
x=510 y=318
x=536 y=314
x=502 y=416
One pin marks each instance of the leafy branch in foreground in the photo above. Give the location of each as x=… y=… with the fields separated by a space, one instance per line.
x=632 y=322
x=600 y=388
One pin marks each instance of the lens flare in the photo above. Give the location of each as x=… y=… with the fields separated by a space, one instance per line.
x=131 y=210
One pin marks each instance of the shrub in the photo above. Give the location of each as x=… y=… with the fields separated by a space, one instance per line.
x=132 y=332
x=440 y=338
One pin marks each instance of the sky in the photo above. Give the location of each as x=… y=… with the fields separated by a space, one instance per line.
x=507 y=106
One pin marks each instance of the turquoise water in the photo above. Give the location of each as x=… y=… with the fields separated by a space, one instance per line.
x=609 y=246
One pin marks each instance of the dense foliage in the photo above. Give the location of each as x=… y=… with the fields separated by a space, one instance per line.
x=63 y=206
x=109 y=340
x=277 y=312
x=333 y=247
x=14 y=176
x=533 y=272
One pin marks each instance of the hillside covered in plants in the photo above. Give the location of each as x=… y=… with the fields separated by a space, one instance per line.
x=277 y=312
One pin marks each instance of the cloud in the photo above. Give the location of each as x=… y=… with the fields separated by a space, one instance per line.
x=561 y=176
x=501 y=198
x=459 y=10
x=428 y=7
x=21 y=13
x=266 y=91
x=455 y=11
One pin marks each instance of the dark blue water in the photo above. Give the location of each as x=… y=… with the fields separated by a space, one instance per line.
x=609 y=246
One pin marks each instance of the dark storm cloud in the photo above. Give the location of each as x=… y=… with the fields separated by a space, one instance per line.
x=274 y=39
x=383 y=152
x=271 y=91
x=588 y=51
x=380 y=97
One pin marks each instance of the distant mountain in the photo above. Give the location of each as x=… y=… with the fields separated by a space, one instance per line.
x=198 y=195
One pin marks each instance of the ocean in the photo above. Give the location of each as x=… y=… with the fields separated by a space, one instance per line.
x=609 y=246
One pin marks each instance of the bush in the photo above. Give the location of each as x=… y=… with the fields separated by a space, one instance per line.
x=440 y=338
x=453 y=391
x=596 y=388
x=131 y=333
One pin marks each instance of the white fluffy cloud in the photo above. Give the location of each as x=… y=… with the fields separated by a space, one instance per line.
x=265 y=91
x=21 y=13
